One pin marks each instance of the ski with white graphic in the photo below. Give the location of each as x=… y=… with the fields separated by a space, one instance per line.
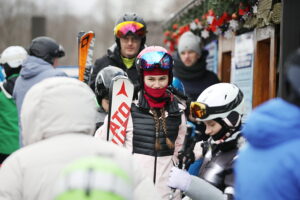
x=120 y=95
x=86 y=41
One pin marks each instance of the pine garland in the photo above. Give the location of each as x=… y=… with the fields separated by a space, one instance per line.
x=212 y=18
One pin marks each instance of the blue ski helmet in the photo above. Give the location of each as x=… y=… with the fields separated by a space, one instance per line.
x=177 y=84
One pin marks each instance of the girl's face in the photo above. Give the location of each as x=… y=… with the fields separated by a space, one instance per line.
x=156 y=81
x=212 y=127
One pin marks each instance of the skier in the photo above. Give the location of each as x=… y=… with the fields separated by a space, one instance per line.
x=44 y=53
x=96 y=177
x=130 y=36
x=220 y=106
x=102 y=85
x=157 y=124
x=40 y=64
x=190 y=66
x=11 y=59
x=267 y=168
x=58 y=120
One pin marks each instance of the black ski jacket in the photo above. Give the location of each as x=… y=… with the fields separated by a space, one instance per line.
x=113 y=57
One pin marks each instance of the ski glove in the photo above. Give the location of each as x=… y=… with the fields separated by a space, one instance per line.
x=179 y=179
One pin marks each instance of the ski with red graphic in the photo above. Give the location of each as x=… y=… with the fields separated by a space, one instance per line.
x=86 y=41
x=120 y=95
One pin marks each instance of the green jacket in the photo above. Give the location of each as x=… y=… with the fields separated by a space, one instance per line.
x=9 y=130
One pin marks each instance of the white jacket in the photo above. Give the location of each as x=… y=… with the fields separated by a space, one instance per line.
x=146 y=162
x=58 y=119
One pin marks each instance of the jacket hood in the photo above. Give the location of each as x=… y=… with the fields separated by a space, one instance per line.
x=56 y=106
x=33 y=66
x=274 y=122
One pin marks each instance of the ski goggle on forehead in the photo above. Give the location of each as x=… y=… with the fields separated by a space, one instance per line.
x=123 y=28
x=156 y=59
x=202 y=110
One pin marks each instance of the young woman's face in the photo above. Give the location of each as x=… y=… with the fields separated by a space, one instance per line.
x=156 y=81
x=212 y=127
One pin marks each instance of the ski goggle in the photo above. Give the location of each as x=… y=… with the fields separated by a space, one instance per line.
x=202 y=110
x=123 y=28
x=156 y=59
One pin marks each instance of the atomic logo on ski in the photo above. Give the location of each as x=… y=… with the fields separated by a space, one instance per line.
x=121 y=93
x=122 y=90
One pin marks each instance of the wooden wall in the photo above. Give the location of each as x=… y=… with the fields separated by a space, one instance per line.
x=265 y=63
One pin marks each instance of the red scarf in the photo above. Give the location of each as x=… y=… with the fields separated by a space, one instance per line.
x=156 y=98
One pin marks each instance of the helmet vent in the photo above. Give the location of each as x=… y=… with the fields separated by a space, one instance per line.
x=225 y=96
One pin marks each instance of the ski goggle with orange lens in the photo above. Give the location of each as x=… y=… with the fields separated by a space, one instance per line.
x=123 y=28
x=199 y=110
x=156 y=59
x=202 y=111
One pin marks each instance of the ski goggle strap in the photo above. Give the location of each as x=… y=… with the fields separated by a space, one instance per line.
x=156 y=59
x=123 y=28
x=202 y=110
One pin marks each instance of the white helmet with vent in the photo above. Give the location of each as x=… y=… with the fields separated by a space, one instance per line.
x=13 y=56
x=218 y=101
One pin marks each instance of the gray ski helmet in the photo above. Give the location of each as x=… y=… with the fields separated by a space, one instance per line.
x=46 y=48
x=131 y=17
x=103 y=81
x=292 y=75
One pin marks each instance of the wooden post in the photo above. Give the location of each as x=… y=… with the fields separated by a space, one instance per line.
x=264 y=74
x=38 y=26
x=226 y=50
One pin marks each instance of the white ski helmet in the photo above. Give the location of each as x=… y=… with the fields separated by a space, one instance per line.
x=218 y=101
x=13 y=56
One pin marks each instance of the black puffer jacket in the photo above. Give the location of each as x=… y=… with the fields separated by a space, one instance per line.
x=113 y=57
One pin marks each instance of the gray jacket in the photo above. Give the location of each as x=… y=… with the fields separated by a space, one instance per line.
x=33 y=71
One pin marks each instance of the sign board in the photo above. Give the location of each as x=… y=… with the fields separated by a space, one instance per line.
x=242 y=67
x=212 y=58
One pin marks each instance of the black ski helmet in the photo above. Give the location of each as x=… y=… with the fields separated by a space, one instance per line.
x=292 y=75
x=103 y=81
x=46 y=48
x=131 y=17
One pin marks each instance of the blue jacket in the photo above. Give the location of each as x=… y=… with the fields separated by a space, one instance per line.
x=268 y=167
x=33 y=71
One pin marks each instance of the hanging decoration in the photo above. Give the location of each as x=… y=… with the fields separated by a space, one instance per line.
x=211 y=18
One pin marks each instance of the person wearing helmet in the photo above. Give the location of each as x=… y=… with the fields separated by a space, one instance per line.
x=220 y=107
x=11 y=59
x=115 y=179
x=267 y=168
x=103 y=82
x=156 y=125
x=58 y=120
x=190 y=66
x=130 y=37
x=44 y=53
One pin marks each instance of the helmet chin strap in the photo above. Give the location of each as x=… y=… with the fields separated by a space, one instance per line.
x=225 y=131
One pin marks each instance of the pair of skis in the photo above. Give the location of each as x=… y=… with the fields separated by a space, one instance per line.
x=120 y=92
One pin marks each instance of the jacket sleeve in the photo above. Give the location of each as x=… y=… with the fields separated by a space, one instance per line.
x=180 y=138
x=11 y=179
x=101 y=132
x=200 y=189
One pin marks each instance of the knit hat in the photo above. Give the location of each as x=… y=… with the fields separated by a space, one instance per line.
x=189 y=41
